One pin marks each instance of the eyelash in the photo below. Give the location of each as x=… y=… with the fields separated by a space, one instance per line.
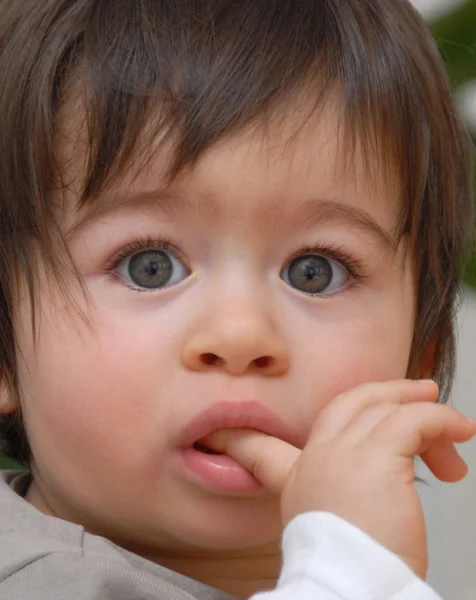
x=140 y=245
x=333 y=251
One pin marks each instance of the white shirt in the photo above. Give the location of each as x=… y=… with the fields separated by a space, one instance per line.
x=326 y=558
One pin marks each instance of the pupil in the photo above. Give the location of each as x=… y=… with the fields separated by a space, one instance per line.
x=151 y=269
x=310 y=274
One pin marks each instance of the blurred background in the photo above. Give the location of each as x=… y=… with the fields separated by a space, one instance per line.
x=453 y=23
x=451 y=509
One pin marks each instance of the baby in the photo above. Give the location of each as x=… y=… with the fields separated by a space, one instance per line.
x=231 y=234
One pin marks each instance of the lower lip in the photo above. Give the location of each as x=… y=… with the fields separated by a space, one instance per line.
x=218 y=472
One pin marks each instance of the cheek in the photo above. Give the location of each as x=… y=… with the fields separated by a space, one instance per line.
x=340 y=354
x=89 y=394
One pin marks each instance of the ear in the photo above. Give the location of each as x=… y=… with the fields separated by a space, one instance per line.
x=427 y=369
x=8 y=401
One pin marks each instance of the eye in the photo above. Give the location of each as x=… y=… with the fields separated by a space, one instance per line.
x=314 y=274
x=152 y=269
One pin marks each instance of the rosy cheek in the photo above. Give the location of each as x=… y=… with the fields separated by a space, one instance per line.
x=339 y=363
x=80 y=393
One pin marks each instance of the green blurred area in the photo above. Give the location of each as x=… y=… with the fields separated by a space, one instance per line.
x=456 y=37
x=8 y=464
x=470 y=271
x=455 y=33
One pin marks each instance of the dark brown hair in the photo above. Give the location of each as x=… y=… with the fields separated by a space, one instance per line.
x=194 y=71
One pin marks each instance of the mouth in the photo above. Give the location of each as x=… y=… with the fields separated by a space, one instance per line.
x=205 y=449
x=217 y=472
x=234 y=415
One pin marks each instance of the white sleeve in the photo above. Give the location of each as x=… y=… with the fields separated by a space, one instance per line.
x=327 y=558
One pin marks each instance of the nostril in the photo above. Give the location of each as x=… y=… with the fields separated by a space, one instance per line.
x=211 y=359
x=263 y=362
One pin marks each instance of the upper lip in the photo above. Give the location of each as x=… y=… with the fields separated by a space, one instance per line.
x=236 y=414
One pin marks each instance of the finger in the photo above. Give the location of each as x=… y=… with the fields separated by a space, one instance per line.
x=444 y=462
x=337 y=415
x=411 y=429
x=269 y=459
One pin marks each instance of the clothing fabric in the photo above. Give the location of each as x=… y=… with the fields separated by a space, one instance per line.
x=324 y=558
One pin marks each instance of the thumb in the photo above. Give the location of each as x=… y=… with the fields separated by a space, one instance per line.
x=267 y=458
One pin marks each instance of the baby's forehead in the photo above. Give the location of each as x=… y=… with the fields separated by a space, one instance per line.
x=299 y=156
x=294 y=133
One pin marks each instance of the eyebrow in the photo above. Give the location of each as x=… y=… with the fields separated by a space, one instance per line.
x=311 y=211
x=317 y=212
x=157 y=199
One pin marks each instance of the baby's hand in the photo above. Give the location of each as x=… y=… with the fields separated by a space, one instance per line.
x=359 y=461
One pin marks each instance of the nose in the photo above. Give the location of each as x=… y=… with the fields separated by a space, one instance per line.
x=237 y=339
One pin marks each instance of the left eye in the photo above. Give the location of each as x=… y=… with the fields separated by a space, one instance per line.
x=314 y=274
x=152 y=270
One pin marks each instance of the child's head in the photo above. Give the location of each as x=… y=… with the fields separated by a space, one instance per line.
x=258 y=202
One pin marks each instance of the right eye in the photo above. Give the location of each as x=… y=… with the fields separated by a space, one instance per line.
x=315 y=274
x=152 y=270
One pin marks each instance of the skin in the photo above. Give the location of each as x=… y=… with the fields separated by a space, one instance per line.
x=105 y=399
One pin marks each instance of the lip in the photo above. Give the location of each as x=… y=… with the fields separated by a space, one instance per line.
x=219 y=473
x=234 y=415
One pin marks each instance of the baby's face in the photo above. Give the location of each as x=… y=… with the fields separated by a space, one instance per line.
x=255 y=289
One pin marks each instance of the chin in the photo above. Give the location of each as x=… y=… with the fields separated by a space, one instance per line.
x=231 y=524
